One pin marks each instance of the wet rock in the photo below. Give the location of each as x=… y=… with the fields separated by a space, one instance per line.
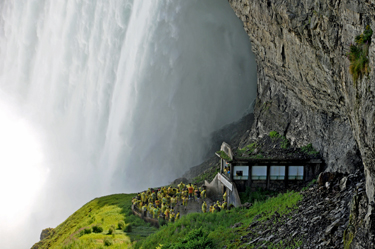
x=343 y=182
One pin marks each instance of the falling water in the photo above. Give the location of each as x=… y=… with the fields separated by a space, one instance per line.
x=122 y=95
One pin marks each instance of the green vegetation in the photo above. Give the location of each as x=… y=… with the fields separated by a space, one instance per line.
x=90 y=226
x=196 y=239
x=275 y=136
x=309 y=149
x=258 y=156
x=208 y=175
x=248 y=149
x=358 y=55
x=217 y=226
x=256 y=196
x=223 y=155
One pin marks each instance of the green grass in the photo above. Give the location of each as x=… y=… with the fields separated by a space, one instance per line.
x=217 y=226
x=106 y=211
x=358 y=55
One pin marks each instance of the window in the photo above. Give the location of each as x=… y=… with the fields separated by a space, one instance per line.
x=240 y=172
x=295 y=173
x=277 y=173
x=259 y=173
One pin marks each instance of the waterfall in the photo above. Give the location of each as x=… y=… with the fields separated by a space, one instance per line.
x=122 y=95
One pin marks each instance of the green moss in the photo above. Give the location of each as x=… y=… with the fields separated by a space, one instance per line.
x=358 y=55
x=223 y=155
x=348 y=237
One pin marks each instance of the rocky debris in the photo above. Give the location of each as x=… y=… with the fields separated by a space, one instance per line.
x=319 y=221
x=247 y=205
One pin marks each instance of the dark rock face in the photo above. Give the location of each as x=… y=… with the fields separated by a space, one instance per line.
x=305 y=91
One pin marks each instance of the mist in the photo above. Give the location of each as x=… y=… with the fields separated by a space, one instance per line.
x=110 y=97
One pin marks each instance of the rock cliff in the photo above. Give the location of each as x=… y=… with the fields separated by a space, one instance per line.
x=305 y=90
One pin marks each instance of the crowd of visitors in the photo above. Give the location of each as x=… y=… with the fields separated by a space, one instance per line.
x=162 y=202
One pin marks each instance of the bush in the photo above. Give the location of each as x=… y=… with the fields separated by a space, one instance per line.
x=128 y=228
x=107 y=241
x=112 y=230
x=121 y=225
x=97 y=228
x=358 y=54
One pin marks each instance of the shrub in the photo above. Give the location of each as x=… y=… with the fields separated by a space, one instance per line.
x=97 y=228
x=121 y=225
x=107 y=241
x=358 y=54
x=112 y=230
x=128 y=228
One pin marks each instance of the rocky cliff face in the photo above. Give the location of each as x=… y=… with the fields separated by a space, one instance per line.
x=305 y=90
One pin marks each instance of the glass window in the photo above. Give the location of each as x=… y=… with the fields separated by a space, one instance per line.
x=277 y=173
x=295 y=173
x=241 y=172
x=259 y=173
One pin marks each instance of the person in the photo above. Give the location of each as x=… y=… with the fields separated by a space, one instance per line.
x=224 y=205
x=143 y=197
x=156 y=212
x=204 y=207
x=178 y=196
x=197 y=193
x=153 y=196
x=184 y=202
x=203 y=193
x=191 y=191
x=157 y=203
x=144 y=211
x=173 y=201
x=181 y=186
x=166 y=213
x=225 y=196
x=164 y=200
x=172 y=216
x=177 y=216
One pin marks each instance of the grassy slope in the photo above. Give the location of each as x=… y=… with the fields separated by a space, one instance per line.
x=107 y=211
x=218 y=225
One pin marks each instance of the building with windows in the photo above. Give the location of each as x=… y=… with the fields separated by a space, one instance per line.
x=240 y=173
